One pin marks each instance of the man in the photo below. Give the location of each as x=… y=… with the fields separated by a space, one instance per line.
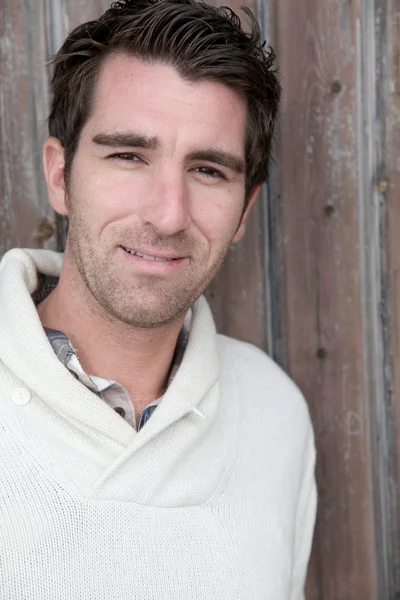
x=143 y=455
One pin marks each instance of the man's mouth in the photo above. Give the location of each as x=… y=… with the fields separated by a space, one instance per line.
x=149 y=256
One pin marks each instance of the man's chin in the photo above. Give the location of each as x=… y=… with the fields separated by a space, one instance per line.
x=148 y=316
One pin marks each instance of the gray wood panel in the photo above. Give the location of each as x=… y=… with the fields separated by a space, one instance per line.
x=318 y=214
x=23 y=111
x=382 y=185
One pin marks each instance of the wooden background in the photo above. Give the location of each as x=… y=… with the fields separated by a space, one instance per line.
x=316 y=281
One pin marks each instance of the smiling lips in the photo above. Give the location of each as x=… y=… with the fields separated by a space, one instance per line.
x=149 y=256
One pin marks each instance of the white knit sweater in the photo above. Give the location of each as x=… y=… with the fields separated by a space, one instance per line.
x=220 y=508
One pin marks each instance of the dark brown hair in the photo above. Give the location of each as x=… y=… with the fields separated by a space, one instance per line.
x=200 y=41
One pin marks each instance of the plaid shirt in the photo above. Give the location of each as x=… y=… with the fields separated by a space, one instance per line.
x=112 y=392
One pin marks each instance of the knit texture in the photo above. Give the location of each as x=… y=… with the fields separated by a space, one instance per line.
x=188 y=508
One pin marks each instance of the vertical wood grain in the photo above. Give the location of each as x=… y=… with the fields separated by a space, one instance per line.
x=317 y=237
x=23 y=111
x=384 y=177
x=390 y=114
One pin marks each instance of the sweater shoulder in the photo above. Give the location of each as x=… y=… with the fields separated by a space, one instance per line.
x=260 y=379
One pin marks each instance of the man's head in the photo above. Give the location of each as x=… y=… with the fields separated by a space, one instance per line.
x=161 y=127
x=200 y=41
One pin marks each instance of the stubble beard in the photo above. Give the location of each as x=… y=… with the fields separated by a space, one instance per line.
x=144 y=301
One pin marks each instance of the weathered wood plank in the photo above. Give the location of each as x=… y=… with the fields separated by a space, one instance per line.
x=23 y=111
x=384 y=153
x=238 y=294
x=79 y=12
x=390 y=58
x=318 y=242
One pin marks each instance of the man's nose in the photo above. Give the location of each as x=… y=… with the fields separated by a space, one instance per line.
x=167 y=205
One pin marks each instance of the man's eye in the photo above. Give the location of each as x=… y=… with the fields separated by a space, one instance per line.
x=210 y=172
x=126 y=157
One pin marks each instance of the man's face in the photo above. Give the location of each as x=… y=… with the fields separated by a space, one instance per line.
x=158 y=172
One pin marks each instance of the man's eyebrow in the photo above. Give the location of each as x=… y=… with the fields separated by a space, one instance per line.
x=226 y=159
x=126 y=139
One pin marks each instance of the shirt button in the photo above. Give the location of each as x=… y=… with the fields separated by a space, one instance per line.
x=21 y=396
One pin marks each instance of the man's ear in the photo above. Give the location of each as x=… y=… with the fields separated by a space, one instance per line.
x=53 y=164
x=242 y=227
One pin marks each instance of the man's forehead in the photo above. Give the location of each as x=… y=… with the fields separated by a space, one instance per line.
x=137 y=78
x=150 y=98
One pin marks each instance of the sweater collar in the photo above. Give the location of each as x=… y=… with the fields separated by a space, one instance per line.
x=25 y=350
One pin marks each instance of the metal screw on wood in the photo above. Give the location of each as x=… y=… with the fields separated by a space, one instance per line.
x=383 y=186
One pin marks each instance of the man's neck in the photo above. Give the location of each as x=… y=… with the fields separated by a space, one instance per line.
x=138 y=359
